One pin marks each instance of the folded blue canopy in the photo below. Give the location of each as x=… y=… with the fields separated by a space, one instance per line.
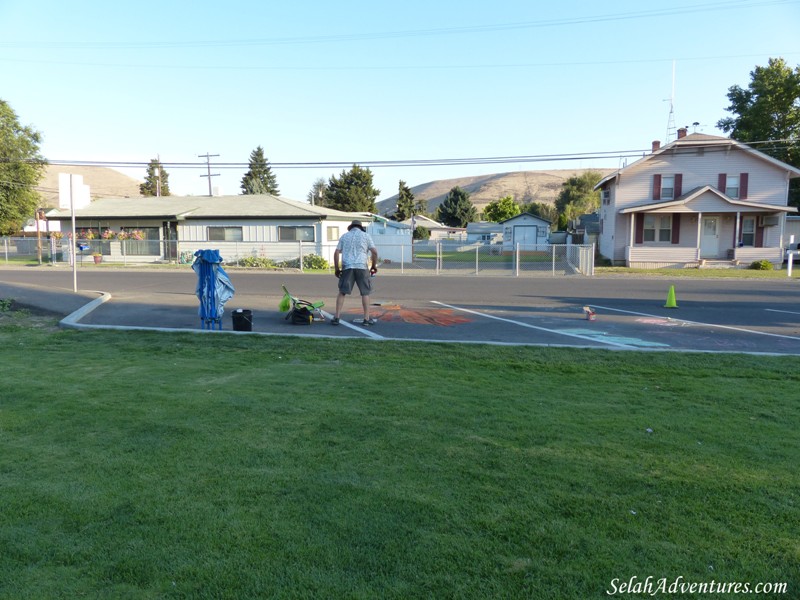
x=214 y=287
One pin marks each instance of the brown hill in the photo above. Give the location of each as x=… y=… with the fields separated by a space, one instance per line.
x=102 y=181
x=524 y=186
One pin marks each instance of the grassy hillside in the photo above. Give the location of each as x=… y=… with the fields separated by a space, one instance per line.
x=524 y=186
x=102 y=181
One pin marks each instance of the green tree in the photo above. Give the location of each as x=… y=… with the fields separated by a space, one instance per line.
x=769 y=110
x=543 y=210
x=316 y=195
x=457 y=210
x=352 y=191
x=502 y=209
x=406 y=203
x=21 y=168
x=421 y=233
x=259 y=179
x=156 y=182
x=577 y=196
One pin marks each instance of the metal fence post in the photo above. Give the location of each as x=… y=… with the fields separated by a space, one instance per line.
x=300 y=253
x=477 y=248
x=438 y=255
x=554 y=260
x=516 y=259
x=5 y=248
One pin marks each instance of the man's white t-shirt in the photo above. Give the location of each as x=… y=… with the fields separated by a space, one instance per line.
x=354 y=247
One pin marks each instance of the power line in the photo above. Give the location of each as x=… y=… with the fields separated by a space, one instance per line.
x=421 y=162
x=726 y=5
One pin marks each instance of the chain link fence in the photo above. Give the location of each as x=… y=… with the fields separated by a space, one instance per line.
x=419 y=258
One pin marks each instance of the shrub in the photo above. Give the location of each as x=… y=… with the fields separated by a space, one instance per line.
x=312 y=261
x=257 y=262
x=421 y=233
x=761 y=265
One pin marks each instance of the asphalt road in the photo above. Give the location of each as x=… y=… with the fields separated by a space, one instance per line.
x=727 y=315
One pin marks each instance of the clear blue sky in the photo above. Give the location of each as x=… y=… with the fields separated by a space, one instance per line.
x=350 y=81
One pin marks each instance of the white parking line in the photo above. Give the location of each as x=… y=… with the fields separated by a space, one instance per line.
x=742 y=329
x=521 y=324
x=788 y=312
x=362 y=329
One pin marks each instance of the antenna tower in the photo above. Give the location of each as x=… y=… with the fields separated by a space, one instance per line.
x=671 y=130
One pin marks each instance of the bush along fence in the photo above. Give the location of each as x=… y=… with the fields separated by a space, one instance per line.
x=419 y=258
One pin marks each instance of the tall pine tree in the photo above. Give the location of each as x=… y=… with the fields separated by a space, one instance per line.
x=457 y=209
x=352 y=191
x=406 y=205
x=259 y=179
x=156 y=182
x=316 y=195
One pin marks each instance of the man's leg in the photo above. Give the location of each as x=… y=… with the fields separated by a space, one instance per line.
x=339 y=304
x=365 y=306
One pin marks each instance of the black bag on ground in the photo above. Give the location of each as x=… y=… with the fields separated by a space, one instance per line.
x=300 y=315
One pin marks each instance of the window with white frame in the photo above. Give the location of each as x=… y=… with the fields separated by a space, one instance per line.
x=749 y=231
x=732 y=186
x=295 y=234
x=667 y=187
x=225 y=234
x=333 y=234
x=657 y=228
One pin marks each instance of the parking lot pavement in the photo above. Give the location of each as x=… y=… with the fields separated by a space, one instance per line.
x=711 y=315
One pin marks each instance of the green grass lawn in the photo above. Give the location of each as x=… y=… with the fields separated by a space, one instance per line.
x=150 y=465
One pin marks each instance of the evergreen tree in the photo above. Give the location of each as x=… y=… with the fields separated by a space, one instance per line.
x=502 y=209
x=156 y=182
x=769 y=110
x=406 y=203
x=352 y=191
x=21 y=168
x=457 y=210
x=316 y=195
x=259 y=179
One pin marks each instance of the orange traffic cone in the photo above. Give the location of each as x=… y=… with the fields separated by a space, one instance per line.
x=671 y=303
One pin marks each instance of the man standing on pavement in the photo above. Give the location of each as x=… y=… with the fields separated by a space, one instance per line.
x=355 y=248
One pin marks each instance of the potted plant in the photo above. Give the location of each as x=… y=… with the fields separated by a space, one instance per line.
x=98 y=258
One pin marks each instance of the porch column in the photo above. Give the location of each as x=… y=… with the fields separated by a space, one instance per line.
x=736 y=234
x=699 y=232
x=631 y=228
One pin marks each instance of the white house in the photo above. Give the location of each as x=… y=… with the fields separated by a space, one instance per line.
x=526 y=230
x=438 y=231
x=485 y=232
x=393 y=239
x=174 y=227
x=699 y=198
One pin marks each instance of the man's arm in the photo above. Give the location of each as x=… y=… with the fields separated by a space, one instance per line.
x=336 y=270
x=374 y=254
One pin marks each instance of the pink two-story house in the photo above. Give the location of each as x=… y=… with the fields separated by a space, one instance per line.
x=697 y=200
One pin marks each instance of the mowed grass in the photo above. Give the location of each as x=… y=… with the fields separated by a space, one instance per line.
x=148 y=465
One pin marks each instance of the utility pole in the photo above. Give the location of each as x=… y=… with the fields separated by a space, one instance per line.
x=158 y=176
x=208 y=157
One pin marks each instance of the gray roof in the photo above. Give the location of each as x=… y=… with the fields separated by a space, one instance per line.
x=203 y=207
x=484 y=227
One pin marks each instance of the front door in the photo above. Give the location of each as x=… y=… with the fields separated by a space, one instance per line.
x=709 y=238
